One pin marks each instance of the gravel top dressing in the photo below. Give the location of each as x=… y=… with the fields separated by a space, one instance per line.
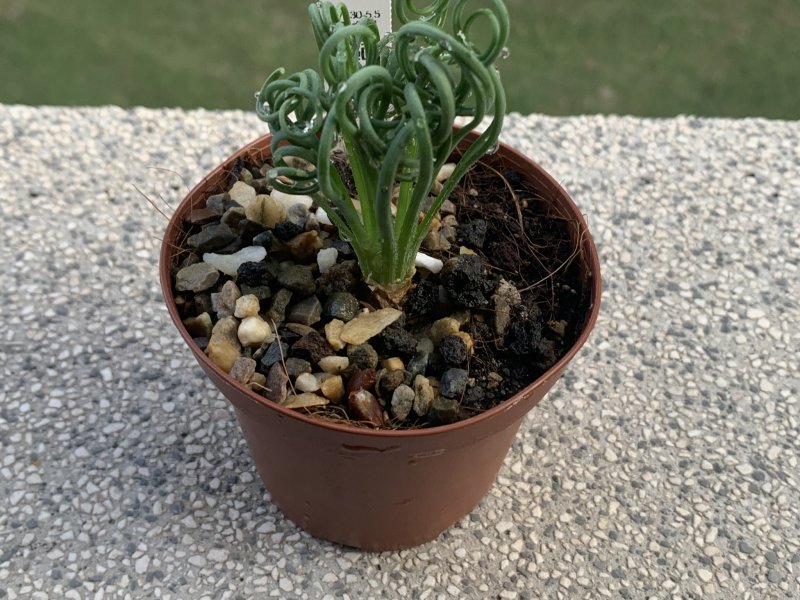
x=664 y=463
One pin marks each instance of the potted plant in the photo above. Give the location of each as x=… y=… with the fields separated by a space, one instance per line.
x=288 y=265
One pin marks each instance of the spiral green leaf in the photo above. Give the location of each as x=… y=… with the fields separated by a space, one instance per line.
x=392 y=103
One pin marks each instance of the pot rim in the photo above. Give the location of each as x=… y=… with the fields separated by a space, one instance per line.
x=590 y=255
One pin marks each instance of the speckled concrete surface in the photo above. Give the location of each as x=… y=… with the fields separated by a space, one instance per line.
x=664 y=465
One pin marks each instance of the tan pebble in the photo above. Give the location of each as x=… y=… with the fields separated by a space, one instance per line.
x=333 y=388
x=436 y=224
x=423 y=395
x=222 y=354
x=225 y=331
x=304 y=246
x=393 y=364
x=306 y=382
x=258 y=382
x=265 y=210
x=254 y=331
x=246 y=306
x=442 y=328
x=367 y=326
x=242 y=193
x=333 y=333
x=465 y=250
x=334 y=364
x=305 y=400
x=199 y=326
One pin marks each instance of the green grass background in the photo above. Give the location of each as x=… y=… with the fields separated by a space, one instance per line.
x=645 y=57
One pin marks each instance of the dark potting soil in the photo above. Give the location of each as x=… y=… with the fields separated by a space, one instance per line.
x=512 y=283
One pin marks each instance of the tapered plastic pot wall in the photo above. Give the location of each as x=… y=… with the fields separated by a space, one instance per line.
x=379 y=490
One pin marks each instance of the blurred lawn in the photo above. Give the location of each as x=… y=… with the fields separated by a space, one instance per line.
x=645 y=57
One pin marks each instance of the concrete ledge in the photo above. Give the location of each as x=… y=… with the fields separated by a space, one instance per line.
x=665 y=463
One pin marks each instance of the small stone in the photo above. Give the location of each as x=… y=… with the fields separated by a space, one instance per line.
x=418 y=364
x=304 y=247
x=218 y=202
x=467 y=339
x=196 y=278
x=230 y=263
x=423 y=395
x=258 y=382
x=297 y=366
x=201 y=216
x=524 y=335
x=745 y=547
x=453 y=383
x=504 y=299
x=222 y=354
x=306 y=382
x=444 y=411
x=242 y=193
x=274 y=353
x=442 y=328
x=705 y=575
x=199 y=326
x=286 y=230
x=453 y=350
x=333 y=388
x=297 y=214
x=436 y=242
x=429 y=263
x=297 y=279
x=364 y=327
x=255 y=331
x=388 y=381
x=363 y=406
x=473 y=233
x=254 y=274
x=277 y=381
x=261 y=292
x=246 y=306
x=333 y=333
x=342 y=305
x=362 y=379
x=305 y=400
x=393 y=364
x=233 y=217
x=402 y=402
x=225 y=301
x=395 y=341
x=306 y=312
x=363 y=356
x=211 y=237
x=277 y=310
x=265 y=211
x=225 y=330
x=264 y=239
x=463 y=279
x=341 y=277
x=313 y=346
x=445 y=172
x=326 y=258
x=334 y=364
x=425 y=345
x=289 y=200
x=243 y=369
x=448 y=208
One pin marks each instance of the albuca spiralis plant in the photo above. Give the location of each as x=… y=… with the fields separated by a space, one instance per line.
x=393 y=111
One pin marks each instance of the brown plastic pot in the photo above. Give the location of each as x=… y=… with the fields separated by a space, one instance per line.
x=379 y=490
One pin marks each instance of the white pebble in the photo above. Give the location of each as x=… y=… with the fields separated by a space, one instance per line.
x=334 y=364
x=306 y=382
x=289 y=200
x=445 y=172
x=429 y=263
x=326 y=258
x=230 y=263
x=322 y=217
x=254 y=331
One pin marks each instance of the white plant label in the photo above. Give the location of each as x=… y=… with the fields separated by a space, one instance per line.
x=378 y=10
